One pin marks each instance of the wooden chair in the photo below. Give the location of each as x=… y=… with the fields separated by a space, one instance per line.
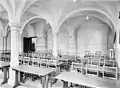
x=92 y=67
x=98 y=53
x=65 y=58
x=110 y=72
x=21 y=58
x=110 y=69
x=78 y=67
x=87 y=53
x=110 y=63
x=26 y=60
x=44 y=63
x=36 y=62
x=52 y=64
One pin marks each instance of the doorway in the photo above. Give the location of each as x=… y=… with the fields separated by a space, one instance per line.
x=28 y=45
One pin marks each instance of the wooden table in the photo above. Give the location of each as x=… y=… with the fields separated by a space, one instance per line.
x=44 y=72
x=5 y=66
x=85 y=80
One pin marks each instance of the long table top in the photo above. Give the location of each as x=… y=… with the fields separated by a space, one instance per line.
x=4 y=64
x=85 y=80
x=33 y=70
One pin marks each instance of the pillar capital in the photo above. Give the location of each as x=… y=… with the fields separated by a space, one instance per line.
x=4 y=36
x=14 y=26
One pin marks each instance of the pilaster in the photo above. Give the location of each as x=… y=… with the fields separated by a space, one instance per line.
x=72 y=40
x=4 y=42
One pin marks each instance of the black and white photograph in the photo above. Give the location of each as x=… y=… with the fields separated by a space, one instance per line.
x=59 y=43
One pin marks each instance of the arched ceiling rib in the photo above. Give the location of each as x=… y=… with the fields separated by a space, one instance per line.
x=23 y=6
x=79 y=5
x=54 y=10
x=94 y=14
x=34 y=19
x=7 y=5
x=27 y=15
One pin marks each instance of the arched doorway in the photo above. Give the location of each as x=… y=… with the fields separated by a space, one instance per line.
x=37 y=35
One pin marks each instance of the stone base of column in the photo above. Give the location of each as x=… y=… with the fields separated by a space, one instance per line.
x=11 y=80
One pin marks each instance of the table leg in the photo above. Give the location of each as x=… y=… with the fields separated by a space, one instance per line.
x=16 y=79
x=21 y=77
x=43 y=81
x=47 y=80
x=65 y=84
x=5 y=76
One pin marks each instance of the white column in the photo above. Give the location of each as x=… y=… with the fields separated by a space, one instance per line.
x=14 y=51
x=55 y=44
x=117 y=45
x=72 y=41
x=4 y=42
x=20 y=43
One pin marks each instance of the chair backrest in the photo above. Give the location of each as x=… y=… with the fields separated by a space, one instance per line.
x=98 y=53
x=87 y=53
x=77 y=67
x=26 y=60
x=36 y=62
x=44 y=63
x=64 y=56
x=52 y=63
x=110 y=72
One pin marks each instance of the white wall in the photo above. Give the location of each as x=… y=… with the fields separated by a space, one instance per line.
x=50 y=39
x=29 y=31
x=63 y=38
x=93 y=36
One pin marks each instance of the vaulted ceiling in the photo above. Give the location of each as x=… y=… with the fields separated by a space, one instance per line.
x=56 y=12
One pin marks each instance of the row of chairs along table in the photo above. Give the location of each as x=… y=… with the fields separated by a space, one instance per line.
x=91 y=64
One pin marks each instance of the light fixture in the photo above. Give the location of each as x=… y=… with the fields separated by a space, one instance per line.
x=87 y=17
x=74 y=0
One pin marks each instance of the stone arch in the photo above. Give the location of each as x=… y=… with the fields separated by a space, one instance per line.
x=40 y=38
x=35 y=17
x=87 y=9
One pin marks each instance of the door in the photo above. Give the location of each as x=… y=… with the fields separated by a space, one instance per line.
x=27 y=44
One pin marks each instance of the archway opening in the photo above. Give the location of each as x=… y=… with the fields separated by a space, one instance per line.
x=37 y=36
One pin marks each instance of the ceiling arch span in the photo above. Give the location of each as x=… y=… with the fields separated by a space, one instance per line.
x=73 y=14
x=35 y=17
